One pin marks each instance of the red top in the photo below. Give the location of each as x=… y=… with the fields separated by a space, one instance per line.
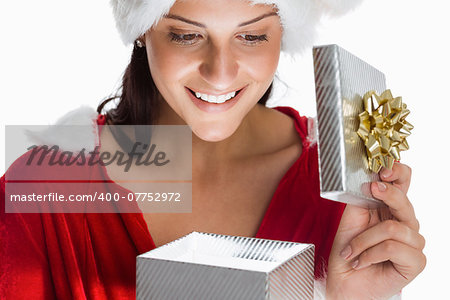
x=93 y=255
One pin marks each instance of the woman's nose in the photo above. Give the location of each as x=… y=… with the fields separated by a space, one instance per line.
x=219 y=67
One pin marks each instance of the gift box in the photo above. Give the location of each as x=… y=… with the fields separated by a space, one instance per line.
x=342 y=80
x=211 y=266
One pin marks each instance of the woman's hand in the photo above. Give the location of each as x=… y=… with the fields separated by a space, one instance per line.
x=377 y=252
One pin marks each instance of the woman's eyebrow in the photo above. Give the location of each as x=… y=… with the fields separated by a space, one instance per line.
x=176 y=17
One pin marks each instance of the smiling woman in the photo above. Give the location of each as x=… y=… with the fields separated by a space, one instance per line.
x=210 y=65
x=201 y=64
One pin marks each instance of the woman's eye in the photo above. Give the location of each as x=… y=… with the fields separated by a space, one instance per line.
x=185 y=39
x=254 y=39
x=189 y=39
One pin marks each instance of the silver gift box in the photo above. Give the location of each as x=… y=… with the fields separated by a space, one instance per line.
x=211 y=266
x=341 y=80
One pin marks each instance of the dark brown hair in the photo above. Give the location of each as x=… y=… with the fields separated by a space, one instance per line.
x=138 y=95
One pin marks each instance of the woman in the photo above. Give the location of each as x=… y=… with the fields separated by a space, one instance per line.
x=254 y=168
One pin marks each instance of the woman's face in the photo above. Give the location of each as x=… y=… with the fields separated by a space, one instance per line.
x=212 y=49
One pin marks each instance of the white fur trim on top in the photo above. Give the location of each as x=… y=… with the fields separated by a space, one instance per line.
x=69 y=138
x=299 y=18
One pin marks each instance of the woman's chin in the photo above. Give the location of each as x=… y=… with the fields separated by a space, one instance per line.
x=213 y=134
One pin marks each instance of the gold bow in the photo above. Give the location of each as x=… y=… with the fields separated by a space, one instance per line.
x=383 y=129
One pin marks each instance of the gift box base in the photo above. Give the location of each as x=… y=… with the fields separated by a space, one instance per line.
x=211 y=266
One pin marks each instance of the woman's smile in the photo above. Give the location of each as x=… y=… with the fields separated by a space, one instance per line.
x=212 y=97
x=212 y=105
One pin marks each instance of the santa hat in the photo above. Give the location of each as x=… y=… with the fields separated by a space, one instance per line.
x=299 y=18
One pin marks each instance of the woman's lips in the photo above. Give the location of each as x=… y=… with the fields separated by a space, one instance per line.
x=215 y=107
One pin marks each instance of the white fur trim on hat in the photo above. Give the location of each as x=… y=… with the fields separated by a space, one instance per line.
x=82 y=136
x=299 y=18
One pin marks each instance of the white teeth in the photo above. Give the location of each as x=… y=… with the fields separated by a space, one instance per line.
x=215 y=99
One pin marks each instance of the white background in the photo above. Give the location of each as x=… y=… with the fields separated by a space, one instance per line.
x=57 y=55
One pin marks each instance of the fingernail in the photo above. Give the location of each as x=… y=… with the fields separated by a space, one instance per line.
x=381 y=187
x=346 y=252
x=355 y=264
x=386 y=173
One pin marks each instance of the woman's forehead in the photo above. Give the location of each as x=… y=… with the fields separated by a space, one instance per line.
x=230 y=3
x=233 y=9
x=219 y=14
